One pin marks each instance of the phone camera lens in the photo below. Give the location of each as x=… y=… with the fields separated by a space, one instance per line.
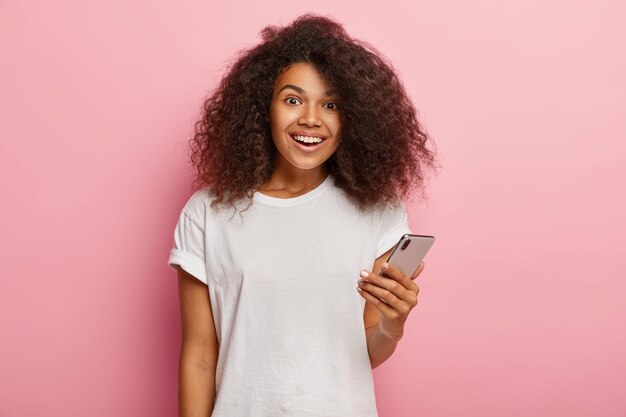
x=406 y=243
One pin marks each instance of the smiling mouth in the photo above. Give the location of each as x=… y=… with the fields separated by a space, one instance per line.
x=309 y=141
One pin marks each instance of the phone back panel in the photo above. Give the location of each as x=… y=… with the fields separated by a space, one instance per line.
x=408 y=256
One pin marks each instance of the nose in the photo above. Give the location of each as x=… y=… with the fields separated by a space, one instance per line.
x=310 y=117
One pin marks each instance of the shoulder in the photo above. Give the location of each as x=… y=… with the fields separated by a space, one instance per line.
x=392 y=220
x=393 y=210
x=198 y=206
x=389 y=212
x=377 y=211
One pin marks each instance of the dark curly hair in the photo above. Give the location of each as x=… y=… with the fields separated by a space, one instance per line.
x=383 y=153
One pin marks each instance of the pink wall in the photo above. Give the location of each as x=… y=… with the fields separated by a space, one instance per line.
x=521 y=310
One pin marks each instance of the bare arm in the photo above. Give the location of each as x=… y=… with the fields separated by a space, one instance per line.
x=394 y=295
x=379 y=346
x=199 y=349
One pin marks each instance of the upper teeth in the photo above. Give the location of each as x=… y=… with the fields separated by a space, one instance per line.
x=307 y=139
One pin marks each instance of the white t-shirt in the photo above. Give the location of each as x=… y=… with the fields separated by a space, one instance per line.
x=282 y=285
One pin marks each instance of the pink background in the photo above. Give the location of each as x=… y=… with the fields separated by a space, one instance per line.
x=521 y=310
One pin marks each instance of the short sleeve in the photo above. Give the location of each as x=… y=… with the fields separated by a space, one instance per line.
x=393 y=224
x=188 y=250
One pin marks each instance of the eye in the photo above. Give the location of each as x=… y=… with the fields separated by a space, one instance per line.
x=333 y=105
x=291 y=98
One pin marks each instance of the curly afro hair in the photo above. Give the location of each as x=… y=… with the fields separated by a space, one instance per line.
x=383 y=153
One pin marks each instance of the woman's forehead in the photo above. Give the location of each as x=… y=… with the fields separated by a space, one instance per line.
x=303 y=78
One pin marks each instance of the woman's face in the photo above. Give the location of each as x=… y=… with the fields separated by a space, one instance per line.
x=303 y=109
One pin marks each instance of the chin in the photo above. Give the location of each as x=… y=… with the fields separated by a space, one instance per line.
x=307 y=164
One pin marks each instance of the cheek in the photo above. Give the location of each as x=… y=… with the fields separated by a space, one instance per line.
x=278 y=121
x=335 y=124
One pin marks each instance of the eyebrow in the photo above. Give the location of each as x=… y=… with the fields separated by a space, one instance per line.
x=301 y=91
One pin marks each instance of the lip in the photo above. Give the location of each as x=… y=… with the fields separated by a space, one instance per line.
x=307 y=149
x=313 y=134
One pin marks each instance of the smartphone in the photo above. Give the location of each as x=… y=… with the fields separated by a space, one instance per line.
x=409 y=252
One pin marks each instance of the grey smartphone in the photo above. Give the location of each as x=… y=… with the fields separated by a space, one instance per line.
x=409 y=252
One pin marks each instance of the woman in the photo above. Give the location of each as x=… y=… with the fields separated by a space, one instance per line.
x=314 y=131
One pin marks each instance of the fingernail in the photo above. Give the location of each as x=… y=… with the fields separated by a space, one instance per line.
x=385 y=265
x=364 y=273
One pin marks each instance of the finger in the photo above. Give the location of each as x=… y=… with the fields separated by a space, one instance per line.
x=401 y=305
x=418 y=270
x=390 y=285
x=394 y=272
x=376 y=302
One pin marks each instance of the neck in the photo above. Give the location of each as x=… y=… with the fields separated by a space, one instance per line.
x=293 y=179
